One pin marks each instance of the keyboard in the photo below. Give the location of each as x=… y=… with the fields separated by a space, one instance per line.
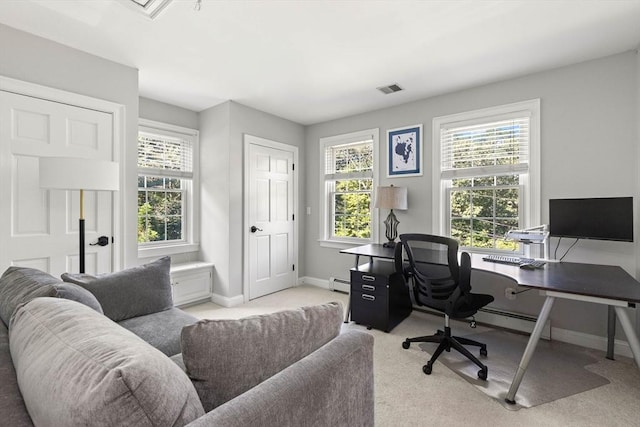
x=512 y=260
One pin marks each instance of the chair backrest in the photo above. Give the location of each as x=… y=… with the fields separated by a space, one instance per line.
x=432 y=262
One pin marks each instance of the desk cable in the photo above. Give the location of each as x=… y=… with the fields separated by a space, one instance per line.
x=555 y=253
x=522 y=291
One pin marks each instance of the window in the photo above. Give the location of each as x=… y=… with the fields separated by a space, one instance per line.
x=150 y=8
x=348 y=176
x=486 y=165
x=167 y=175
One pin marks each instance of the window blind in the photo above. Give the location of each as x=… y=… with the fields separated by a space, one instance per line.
x=164 y=156
x=349 y=161
x=494 y=148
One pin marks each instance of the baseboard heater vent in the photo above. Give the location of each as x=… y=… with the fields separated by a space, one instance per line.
x=503 y=319
x=510 y=320
x=339 y=285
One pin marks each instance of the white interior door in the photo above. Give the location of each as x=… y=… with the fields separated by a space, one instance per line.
x=39 y=228
x=270 y=219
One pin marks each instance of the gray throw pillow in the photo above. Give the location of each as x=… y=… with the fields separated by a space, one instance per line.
x=76 y=367
x=19 y=285
x=132 y=292
x=225 y=358
x=77 y=293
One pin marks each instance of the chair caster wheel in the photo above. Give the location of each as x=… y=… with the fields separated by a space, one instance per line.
x=473 y=324
x=483 y=351
x=406 y=344
x=427 y=368
x=482 y=374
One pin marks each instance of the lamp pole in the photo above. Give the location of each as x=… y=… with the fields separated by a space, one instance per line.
x=81 y=231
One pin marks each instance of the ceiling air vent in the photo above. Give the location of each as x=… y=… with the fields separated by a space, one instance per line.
x=390 y=89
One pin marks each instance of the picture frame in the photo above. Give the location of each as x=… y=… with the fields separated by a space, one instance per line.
x=404 y=151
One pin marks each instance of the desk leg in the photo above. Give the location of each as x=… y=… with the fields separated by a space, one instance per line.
x=629 y=331
x=348 y=314
x=611 y=331
x=531 y=347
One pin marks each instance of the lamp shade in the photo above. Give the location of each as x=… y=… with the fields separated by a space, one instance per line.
x=391 y=197
x=70 y=173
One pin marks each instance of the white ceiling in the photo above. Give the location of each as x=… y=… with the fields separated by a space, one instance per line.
x=312 y=61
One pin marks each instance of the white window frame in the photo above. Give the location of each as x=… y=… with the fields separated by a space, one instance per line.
x=191 y=216
x=326 y=239
x=530 y=204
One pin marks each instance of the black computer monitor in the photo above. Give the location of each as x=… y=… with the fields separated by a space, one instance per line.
x=604 y=218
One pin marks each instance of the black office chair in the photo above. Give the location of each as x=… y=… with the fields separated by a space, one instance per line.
x=442 y=284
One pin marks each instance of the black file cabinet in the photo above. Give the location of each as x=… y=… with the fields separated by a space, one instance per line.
x=374 y=302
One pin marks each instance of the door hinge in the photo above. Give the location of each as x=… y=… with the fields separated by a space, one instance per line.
x=293 y=217
x=293 y=166
x=293 y=267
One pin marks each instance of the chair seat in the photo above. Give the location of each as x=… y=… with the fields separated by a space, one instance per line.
x=470 y=305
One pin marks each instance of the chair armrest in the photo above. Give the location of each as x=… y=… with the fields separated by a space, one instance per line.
x=331 y=386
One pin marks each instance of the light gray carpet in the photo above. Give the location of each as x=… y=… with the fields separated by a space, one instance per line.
x=557 y=370
x=406 y=397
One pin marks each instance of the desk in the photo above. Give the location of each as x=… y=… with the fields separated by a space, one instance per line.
x=601 y=284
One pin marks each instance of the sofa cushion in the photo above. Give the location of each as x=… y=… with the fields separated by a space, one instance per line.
x=77 y=293
x=162 y=329
x=132 y=292
x=225 y=358
x=12 y=410
x=19 y=285
x=76 y=367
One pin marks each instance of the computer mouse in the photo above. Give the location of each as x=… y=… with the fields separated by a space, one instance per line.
x=528 y=266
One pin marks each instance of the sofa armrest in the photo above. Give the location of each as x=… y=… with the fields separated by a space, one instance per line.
x=331 y=386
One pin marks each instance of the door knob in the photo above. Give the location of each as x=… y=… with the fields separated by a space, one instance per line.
x=254 y=229
x=102 y=241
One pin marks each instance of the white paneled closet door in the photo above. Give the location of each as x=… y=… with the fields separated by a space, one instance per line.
x=38 y=227
x=270 y=206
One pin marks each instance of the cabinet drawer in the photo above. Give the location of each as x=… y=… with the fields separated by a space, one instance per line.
x=365 y=277
x=369 y=309
x=369 y=288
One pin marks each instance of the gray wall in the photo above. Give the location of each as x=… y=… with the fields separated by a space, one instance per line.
x=37 y=60
x=589 y=135
x=151 y=109
x=222 y=130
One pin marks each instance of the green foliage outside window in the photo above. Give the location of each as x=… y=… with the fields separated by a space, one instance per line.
x=352 y=208
x=481 y=214
x=159 y=209
x=352 y=196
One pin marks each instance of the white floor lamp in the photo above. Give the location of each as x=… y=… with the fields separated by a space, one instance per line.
x=67 y=173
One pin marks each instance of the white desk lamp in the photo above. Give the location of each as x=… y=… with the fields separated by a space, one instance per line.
x=66 y=173
x=391 y=198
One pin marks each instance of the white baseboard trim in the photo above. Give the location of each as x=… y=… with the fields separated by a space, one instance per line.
x=314 y=281
x=621 y=348
x=227 y=301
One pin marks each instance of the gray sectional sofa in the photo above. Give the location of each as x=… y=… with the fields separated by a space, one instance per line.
x=112 y=350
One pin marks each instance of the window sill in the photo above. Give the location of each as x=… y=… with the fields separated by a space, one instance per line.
x=338 y=244
x=157 y=251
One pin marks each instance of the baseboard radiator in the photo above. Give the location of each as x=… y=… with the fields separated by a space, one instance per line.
x=503 y=319
x=339 y=285
x=510 y=320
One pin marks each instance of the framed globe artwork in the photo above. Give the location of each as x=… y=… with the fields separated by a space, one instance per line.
x=404 y=151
